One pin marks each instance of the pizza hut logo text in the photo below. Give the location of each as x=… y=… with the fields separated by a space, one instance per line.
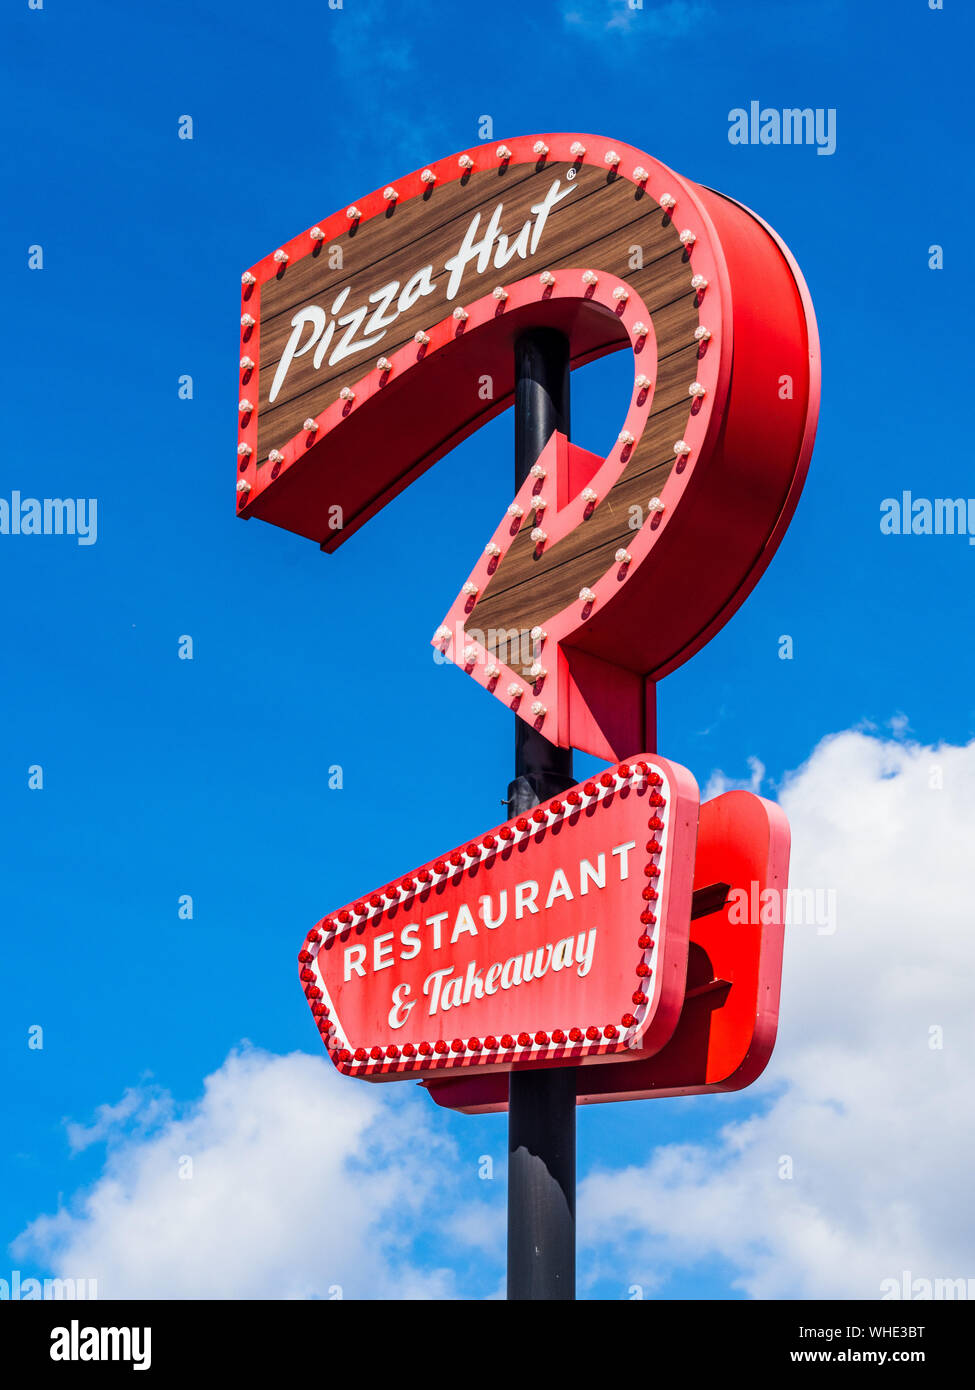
x=367 y=324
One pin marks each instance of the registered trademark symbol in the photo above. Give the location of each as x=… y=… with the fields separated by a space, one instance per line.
x=570 y=174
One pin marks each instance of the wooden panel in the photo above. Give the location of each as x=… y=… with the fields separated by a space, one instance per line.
x=529 y=587
x=574 y=234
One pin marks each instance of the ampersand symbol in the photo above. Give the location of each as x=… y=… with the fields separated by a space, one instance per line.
x=401 y=1010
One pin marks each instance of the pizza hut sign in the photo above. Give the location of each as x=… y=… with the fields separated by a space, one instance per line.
x=560 y=937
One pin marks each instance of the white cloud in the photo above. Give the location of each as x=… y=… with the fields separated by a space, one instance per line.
x=141 y=1109
x=718 y=782
x=878 y=1123
x=301 y=1182
x=674 y=19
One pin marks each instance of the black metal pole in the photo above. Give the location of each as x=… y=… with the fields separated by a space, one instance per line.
x=541 y=1103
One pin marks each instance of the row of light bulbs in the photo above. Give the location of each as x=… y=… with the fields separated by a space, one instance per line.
x=391 y=194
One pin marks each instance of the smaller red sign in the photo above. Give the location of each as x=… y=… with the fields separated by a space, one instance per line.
x=559 y=938
x=728 y=1023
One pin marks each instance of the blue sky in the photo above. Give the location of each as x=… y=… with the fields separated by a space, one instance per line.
x=209 y=777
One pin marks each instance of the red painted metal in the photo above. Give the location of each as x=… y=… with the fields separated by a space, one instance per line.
x=725 y=505
x=435 y=978
x=727 y=1027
